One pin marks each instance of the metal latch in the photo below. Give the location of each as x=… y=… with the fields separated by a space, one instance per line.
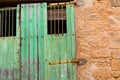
x=80 y=61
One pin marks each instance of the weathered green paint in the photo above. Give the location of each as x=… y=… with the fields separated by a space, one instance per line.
x=42 y=20
x=38 y=48
x=9 y=57
x=60 y=47
x=46 y=48
x=70 y=41
x=29 y=41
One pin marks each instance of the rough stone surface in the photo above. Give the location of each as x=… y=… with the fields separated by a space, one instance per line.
x=115 y=53
x=115 y=64
x=102 y=73
x=115 y=3
x=97 y=26
x=116 y=74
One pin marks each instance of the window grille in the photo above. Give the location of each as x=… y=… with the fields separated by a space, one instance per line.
x=57 y=19
x=7 y=22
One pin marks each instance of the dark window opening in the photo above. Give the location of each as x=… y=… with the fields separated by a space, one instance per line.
x=53 y=27
x=7 y=23
x=57 y=20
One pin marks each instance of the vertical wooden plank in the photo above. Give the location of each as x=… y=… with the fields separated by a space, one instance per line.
x=40 y=47
x=1 y=62
x=73 y=41
x=42 y=26
x=30 y=42
x=5 y=53
x=68 y=41
x=70 y=49
x=9 y=56
x=28 y=77
x=24 y=36
x=4 y=58
x=33 y=41
x=4 y=64
x=51 y=56
x=17 y=54
x=29 y=45
x=63 y=57
x=63 y=53
x=1 y=59
x=16 y=58
x=56 y=55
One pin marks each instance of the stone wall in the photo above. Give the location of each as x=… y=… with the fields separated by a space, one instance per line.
x=97 y=26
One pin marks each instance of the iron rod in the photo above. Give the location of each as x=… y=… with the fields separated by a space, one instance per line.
x=61 y=3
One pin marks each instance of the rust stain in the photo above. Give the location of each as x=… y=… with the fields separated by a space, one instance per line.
x=7 y=73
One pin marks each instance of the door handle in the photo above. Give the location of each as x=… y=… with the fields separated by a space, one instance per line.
x=80 y=61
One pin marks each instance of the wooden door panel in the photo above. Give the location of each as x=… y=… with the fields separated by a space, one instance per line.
x=29 y=43
x=39 y=48
x=60 y=48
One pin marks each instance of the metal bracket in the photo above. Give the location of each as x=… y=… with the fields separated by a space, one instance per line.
x=82 y=61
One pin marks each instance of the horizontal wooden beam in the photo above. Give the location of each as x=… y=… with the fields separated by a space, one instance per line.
x=4 y=3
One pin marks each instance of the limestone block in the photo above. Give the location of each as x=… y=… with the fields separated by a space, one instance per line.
x=115 y=3
x=116 y=74
x=115 y=64
x=85 y=72
x=85 y=3
x=115 y=53
x=114 y=31
x=102 y=73
x=101 y=53
x=82 y=33
x=101 y=62
x=115 y=44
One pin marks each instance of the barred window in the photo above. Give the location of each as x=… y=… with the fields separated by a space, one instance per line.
x=57 y=20
x=7 y=22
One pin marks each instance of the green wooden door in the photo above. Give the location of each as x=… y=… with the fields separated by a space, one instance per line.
x=9 y=49
x=39 y=48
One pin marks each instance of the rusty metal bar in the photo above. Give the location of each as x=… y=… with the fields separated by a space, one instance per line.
x=5 y=22
x=62 y=20
x=51 y=20
x=12 y=21
x=61 y=3
x=9 y=8
x=54 y=21
x=9 y=23
x=63 y=62
x=58 y=21
x=2 y=25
